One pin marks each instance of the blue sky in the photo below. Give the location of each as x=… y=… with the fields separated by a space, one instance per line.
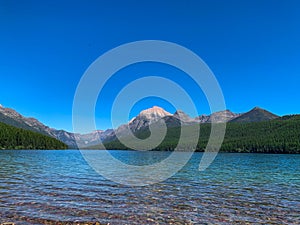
x=253 y=48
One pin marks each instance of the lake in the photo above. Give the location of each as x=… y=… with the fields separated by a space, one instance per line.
x=41 y=187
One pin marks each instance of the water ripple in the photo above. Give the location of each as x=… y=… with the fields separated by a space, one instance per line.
x=44 y=187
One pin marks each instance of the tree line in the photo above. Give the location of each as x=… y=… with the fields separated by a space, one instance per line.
x=18 y=138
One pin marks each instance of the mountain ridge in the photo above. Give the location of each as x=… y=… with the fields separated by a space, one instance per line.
x=256 y=114
x=12 y=117
x=142 y=121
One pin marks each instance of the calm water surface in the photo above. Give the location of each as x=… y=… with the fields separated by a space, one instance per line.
x=42 y=187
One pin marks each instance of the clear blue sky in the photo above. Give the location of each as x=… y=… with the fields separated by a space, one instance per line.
x=253 y=48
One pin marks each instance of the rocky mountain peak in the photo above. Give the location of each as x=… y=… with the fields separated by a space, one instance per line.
x=256 y=108
x=223 y=116
x=218 y=117
x=10 y=113
x=146 y=117
x=153 y=113
x=179 y=114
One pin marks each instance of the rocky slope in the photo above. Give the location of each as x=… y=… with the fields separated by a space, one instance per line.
x=218 y=117
x=147 y=117
x=140 y=122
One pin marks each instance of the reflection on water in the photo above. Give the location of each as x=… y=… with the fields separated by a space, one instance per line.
x=41 y=187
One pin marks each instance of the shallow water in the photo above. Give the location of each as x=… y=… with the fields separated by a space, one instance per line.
x=41 y=187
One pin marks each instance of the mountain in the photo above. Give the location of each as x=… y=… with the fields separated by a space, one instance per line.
x=218 y=117
x=255 y=115
x=179 y=118
x=75 y=140
x=171 y=121
x=281 y=135
x=155 y=115
x=203 y=118
x=147 y=117
x=141 y=122
x=179 y=114
x=17 y=138
x=13 y=118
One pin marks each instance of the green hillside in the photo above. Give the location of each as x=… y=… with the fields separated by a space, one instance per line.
x=280 y=135
x=17 y=138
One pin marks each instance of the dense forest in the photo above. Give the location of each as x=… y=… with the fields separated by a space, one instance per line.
x=280 y=135
x=18 y=138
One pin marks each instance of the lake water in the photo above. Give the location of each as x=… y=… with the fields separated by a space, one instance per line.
x=41 y=187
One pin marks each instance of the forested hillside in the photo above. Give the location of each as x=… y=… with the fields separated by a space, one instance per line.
x=280 y=135
x=17 y=138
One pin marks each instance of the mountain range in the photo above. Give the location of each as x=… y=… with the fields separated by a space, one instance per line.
x=13 y=118
x=140 y=122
